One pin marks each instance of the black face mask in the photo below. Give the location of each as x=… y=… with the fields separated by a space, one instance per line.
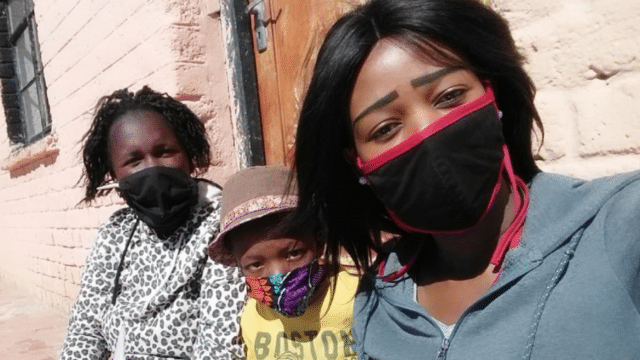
x=162 y=197
x=445 y=177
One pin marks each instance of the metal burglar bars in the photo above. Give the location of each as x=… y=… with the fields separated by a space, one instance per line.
x=23 y=86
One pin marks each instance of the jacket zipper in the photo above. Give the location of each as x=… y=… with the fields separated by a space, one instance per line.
x=442 y=353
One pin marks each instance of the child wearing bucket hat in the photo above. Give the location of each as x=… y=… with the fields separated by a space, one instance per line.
x=296 y=308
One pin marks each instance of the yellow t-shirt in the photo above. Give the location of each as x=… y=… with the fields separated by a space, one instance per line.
x=322 y=332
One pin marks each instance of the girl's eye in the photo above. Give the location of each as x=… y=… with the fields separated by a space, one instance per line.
x=385 y=131
x=451 y=98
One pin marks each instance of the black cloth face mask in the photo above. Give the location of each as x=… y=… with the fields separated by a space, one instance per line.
x=162 y=197
x=444 y=178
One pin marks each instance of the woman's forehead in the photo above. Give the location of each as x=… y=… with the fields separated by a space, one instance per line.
x=138 y=123
x=427 y=49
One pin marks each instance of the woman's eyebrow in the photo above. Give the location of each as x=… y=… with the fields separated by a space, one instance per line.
x=131 y=154
x=385 y=100
x=431 y=77
x=417 y=82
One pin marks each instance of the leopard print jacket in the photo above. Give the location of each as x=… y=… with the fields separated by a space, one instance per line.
x=175 y=303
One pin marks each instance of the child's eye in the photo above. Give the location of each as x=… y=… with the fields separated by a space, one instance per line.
x=385 y=131
x=295 y=254
x=254 y=266
x=451 y=98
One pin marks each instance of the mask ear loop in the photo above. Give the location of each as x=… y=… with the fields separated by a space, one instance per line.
x=113 y=185
x=511 y=237
x=403 y=269
x=106 y=188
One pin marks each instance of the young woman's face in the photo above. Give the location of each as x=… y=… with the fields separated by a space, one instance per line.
x=259 y=257
x=142 y=139
x=397 y=94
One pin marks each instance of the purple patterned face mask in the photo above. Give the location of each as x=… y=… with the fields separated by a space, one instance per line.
x=288 y=293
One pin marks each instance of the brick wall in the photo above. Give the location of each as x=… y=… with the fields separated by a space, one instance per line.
x=89 y=49
x=584 y=57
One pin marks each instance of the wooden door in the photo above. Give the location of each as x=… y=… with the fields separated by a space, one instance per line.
x=295 y=30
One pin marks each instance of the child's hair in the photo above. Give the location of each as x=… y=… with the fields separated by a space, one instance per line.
x=184 y=124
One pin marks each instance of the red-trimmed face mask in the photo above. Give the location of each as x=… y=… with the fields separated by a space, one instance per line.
x=445 y=177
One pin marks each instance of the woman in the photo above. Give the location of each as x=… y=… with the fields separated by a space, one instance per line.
x=418 y=121
x=148 y=290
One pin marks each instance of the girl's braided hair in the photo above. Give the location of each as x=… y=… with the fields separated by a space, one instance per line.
x=184 y=124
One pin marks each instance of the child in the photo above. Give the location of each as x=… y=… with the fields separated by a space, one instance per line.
x=297 y=310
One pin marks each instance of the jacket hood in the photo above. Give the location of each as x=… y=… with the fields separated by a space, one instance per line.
x=563 y=213
x=208 y=192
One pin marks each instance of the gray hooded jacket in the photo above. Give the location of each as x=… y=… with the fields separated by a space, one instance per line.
x=570 y=290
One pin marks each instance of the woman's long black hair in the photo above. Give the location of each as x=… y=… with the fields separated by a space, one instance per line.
x=184 y=124
x=460 y=32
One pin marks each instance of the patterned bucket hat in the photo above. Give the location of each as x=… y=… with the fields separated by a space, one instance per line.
x=248 y=195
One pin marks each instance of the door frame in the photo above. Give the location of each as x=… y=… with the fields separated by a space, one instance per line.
x=244 y=84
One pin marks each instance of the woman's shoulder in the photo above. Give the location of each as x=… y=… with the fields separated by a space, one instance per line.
x=620 y=217
x=606 y=208
x=111 y=237
x=623 y=196
x=207 y=210
x=560 y=203
x=553 y=183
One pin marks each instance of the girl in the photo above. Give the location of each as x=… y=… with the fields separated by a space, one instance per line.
x=148 y=290
x=418 y=121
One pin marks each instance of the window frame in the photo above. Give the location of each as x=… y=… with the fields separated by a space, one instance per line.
x=34 y=116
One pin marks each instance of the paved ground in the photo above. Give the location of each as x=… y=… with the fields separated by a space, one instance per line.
x=28 y=329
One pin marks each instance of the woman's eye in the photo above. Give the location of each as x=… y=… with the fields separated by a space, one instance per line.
x=384 y=131
x=450 y=98
x=132 y=162
x=166 y=152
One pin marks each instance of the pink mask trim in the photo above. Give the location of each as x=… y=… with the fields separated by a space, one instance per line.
x=415 y=139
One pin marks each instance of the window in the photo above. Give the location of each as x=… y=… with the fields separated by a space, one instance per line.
x=23 y=87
